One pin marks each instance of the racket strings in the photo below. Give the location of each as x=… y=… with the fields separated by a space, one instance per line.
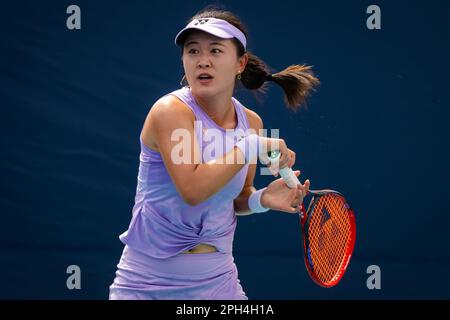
x=332 y=249
x=328 y=253
x=328 y=233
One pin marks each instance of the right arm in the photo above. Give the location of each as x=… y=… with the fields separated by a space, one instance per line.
x=195 y=182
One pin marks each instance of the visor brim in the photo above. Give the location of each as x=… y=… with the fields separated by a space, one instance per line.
x=208 y=29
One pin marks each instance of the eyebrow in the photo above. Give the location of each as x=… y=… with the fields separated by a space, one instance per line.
x=211 y=43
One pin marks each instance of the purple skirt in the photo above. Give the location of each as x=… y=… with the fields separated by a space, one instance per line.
x=199 y=276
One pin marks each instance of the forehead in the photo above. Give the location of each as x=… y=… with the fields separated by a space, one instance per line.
x=204 y=37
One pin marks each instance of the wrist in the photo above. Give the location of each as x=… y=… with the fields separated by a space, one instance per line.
x=263 y=199
x=254 y=201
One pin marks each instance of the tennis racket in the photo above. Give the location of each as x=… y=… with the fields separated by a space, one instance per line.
x=329 y=231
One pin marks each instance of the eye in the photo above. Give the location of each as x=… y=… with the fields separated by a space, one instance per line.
x=192 y=51
x=215 y=50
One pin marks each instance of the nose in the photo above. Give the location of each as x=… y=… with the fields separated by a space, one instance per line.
x=203 y=61
x=203 y=64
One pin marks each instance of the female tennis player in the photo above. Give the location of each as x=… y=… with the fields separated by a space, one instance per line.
x=180 y=238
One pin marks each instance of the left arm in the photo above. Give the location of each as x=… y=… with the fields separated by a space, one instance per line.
x=241 y=201
x=278 y=196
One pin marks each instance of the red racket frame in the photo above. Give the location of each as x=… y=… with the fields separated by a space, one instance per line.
x=349 y=251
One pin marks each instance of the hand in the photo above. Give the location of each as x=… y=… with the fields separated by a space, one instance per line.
x=278 y=196
x=287 y=158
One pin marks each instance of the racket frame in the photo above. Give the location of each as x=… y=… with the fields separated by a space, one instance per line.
x=348 y=253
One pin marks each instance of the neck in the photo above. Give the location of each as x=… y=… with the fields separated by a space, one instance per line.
x=219 y=108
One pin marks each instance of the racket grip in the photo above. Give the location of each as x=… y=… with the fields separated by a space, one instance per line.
x=287 y=174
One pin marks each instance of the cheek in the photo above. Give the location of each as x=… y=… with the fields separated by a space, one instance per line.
x=188 y=60
x=189 y=68
x=231 y=66
x=227 y=69
x=185 y=63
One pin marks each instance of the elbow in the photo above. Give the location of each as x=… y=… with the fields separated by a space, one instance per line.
x=191 y=201
x=194 y=193
x=191 y=197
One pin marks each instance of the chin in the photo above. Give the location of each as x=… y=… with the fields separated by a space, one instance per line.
x=204 y=92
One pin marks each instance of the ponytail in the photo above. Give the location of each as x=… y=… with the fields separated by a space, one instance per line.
x=297 y=81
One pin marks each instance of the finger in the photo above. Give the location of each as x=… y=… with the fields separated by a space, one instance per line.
x=274 y=170
x=300 y=195
x=284 y=160
x=292 y=160
x=288 y=160
x=284 y=163
x=293 y=210
x=302 y=186
x=301 y=191
x=306 y=186
x=297 y=173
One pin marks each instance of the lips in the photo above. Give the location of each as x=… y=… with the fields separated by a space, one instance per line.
x=204 y=76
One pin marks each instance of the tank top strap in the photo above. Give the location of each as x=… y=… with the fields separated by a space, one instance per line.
x=242 y=115
x=184 y=94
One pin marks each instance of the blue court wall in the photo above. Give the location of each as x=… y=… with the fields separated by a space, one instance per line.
x=73 y=102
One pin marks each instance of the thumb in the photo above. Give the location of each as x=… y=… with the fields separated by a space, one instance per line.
x=264 y=158
x=293 y=210
x=297 y=173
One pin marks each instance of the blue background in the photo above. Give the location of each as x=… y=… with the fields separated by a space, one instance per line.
x=73 y=102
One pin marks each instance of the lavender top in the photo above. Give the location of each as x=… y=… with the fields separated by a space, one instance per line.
x=162 y=224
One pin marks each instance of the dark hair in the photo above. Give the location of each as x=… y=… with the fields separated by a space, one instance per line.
x=297 y=81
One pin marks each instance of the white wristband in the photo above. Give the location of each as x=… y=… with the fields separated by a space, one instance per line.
x=254 y=201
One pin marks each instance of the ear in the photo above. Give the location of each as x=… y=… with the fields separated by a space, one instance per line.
x=243 y=62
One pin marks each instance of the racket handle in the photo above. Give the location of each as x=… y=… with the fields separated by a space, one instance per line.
x=287 y=174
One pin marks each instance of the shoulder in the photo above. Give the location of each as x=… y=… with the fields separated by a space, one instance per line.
x=166 y=114
x=254 y=119
x=169 y=111
x=170 y=107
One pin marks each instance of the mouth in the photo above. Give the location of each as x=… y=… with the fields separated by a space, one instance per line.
x=204 y=78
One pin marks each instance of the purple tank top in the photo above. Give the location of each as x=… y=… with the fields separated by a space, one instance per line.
x=162 y=224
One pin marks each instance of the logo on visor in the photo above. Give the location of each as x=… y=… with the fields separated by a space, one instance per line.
x=200 y=21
